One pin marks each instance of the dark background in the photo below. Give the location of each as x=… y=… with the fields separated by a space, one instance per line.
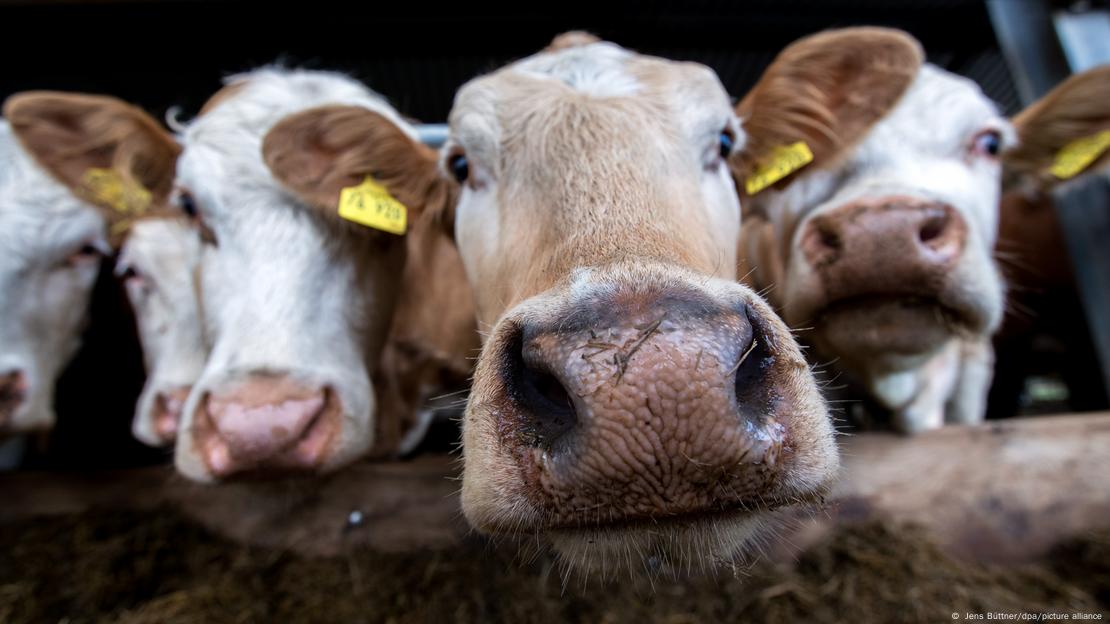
x=175 y=53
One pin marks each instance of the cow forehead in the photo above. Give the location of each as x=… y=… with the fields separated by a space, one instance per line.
x=162 y=247
x=232 y=130
x=687 y=94
x=939 y=111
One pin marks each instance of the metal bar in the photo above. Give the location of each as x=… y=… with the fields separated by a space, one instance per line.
x=432 y=135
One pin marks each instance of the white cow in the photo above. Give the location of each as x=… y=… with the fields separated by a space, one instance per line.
x=296 y=301
x=72 y=167
x=883 y=242
x=881 y=239
x=158 y=264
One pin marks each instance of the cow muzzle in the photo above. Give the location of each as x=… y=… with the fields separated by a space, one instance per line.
x=266 y=424
x=641 y=407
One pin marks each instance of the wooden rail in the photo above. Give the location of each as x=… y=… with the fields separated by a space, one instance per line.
x=1004 y=491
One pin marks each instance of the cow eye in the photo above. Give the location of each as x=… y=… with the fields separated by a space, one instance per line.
x=727 y=143
x=188 y=205
x=459 y=167
x=987 y=143
x=129 y=274
x=86 y=254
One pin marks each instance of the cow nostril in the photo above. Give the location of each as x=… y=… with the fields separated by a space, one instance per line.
x=750 y=368
x=828 y=238
x=548 y=411
x=933 y=228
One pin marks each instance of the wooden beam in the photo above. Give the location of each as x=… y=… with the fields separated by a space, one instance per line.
x=1003 y=491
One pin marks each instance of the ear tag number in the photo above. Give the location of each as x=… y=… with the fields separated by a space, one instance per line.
x=1076 y=156
x=107 y=187
x=370 y=204
x=784 y=160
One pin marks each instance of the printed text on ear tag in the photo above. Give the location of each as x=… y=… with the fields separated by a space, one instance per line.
x=1078 y=155
x=106 y=187
x=784 y=160
x=370 y=204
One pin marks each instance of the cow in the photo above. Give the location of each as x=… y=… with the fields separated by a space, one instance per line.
x=870 y=186
x=301 y=185
x=632 y=404
x=75 y=169
x=1042 y=294
x=158 y=264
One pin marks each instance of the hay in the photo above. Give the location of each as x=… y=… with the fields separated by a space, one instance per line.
x=140 y=568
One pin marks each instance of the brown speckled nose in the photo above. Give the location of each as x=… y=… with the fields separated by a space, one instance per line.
x=886 y=244
x=643 y=407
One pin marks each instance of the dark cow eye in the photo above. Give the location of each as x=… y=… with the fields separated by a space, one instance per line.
x=129 y=274
x=188 y=205
x=988 y=143
x=459 y=166
x=86 y=254
x=727 y=142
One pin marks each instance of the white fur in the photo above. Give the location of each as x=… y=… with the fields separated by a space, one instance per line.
x=278 y=293
x=43 y=295
x=163 y=254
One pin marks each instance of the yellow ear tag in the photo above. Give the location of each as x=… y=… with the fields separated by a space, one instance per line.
x=370 y=204
x=1076 y=156
x=105 y=186
x=785 y=160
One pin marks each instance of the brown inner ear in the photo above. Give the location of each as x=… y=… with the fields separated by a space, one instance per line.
x=828 y=90
x=1077 y=108
x=319 y=152
x=68 y=134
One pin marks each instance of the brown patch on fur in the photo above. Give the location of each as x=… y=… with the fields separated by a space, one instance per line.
x=1077 y=108
x=318 y=152
x=221 y=96
x=571 y=39
x=828 y=90
x=69 y=133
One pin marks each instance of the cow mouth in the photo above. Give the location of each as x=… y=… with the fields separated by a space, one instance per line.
x=679 y=544
x=891 y=323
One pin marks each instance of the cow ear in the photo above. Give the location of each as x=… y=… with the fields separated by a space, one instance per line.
x=106 y=151
x=571 y=39
x=319 y=152
x=826 y=90
x=1066 y=132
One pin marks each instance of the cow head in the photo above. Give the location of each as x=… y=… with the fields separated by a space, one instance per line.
x=74 y=170
x=631 y=400
x=871 y=187
x=295 y=300
x=158 y=266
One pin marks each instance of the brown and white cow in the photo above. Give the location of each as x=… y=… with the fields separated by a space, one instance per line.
x=632 y=401
x=881 y=238
x=1043 y=299
x=158 y=264
x=296 y=301
x=74 y=169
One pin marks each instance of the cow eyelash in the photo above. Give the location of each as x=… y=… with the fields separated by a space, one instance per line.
x=188 y=205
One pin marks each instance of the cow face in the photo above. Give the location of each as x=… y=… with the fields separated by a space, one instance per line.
x=882 y=243
x=158 y=267
x=73 y=168
x=295 y=301
x=630 y=397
